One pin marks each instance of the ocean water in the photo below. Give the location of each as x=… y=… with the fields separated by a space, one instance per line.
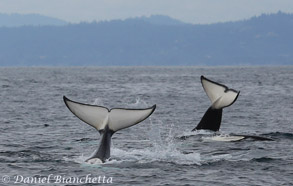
x=43 y=143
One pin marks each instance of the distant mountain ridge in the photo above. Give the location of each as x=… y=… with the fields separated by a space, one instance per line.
x=262 y=40
x=161 y=20
x=16 y=20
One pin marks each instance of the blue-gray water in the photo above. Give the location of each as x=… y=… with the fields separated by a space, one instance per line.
x=40 y=136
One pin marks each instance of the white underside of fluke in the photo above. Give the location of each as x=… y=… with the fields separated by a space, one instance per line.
x=99 y=117
x=223 y=138
x=220 y=95
x=95 y=161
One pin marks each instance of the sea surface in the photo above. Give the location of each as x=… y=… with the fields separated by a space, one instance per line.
x=43 y=143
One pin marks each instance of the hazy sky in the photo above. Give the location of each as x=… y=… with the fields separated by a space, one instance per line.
x=191 y=11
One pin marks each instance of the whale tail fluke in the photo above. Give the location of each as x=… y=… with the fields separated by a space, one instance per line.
x=99 y=117
x=220 y=96
x=107 y=121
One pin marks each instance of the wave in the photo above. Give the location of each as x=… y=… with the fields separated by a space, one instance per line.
x=282 y=135
x=263 y=159
x=85 y=139
x=26 y=156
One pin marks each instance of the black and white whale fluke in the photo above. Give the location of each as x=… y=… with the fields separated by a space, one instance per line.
x=107 y=122
x=221 y=96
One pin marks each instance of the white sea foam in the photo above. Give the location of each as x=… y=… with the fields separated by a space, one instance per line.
x=153 y=154
x=196 y=132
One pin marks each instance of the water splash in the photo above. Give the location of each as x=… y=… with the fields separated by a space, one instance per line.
x=138 y=103
x=195 y=133
x=164 y=154
x=98 y=101
x=162 y=149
